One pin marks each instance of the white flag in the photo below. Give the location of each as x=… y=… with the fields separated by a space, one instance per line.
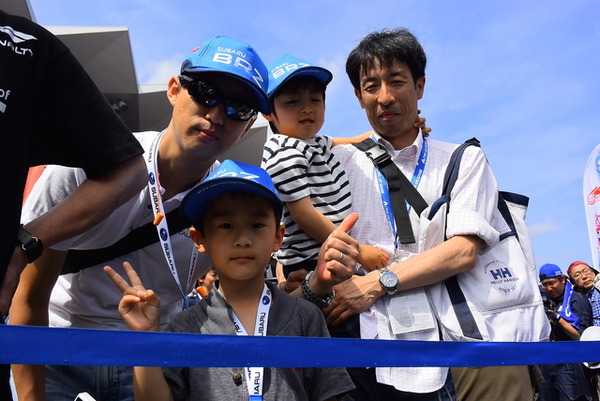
x=591 y=196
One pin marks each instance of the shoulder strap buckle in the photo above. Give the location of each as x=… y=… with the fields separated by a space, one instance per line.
x=376 y=153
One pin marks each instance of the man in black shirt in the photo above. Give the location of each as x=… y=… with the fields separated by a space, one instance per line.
x=52 y=113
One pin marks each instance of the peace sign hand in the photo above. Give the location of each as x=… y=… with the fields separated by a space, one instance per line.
x=139 y=307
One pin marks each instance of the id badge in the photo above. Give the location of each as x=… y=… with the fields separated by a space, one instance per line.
x=409 y=311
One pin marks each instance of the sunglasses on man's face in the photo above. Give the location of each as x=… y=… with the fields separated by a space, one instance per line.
x=207 y=95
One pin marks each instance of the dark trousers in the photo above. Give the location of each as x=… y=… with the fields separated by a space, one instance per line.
x=5 y=393
x=564 y=382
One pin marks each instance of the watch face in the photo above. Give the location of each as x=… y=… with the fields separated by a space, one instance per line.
x=389 y=279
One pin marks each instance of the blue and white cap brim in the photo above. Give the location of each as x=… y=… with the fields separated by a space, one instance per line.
x=285 y=67
x=230 y=176
x=234 y=58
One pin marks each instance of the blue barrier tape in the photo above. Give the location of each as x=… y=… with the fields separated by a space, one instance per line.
x=58 y=346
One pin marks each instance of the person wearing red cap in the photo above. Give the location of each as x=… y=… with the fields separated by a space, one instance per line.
x=587 y=281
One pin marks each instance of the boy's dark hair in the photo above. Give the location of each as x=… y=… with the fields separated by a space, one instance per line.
x=385 y=47
x=199 y=225
x=295 y=84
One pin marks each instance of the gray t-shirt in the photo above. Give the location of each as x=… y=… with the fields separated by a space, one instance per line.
x=288 y=316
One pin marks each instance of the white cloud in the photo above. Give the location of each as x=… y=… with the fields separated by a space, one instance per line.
x=544 y=227
x=159 y=72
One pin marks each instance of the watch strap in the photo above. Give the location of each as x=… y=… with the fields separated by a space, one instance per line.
x=321 y=303
x=31 y=245
x=389 y=290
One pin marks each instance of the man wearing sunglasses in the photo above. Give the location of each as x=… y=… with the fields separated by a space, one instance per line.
x=215 y=98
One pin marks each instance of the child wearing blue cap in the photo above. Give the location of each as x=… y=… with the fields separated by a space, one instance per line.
x=307 y=175
x=216 y=95
x=235 y=213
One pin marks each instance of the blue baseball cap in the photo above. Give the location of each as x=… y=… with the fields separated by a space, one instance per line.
x=230 y=176
x=550 y=270
x=234 y=58
x=286 y=67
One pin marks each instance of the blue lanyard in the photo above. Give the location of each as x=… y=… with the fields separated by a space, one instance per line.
x=385 y=192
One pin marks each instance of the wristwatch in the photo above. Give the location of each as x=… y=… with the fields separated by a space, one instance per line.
x=321 y=303
x=32 y=246
x=388 y=280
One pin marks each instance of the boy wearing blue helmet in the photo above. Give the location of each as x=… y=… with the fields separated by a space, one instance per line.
x=235 y=214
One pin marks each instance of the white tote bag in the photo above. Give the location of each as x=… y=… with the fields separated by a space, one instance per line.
x=499 y=299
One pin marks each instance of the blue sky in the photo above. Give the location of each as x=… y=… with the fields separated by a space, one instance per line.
x=523 y=77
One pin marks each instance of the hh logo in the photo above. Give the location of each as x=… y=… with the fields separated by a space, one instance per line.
x=501 y=277
x=501 y=273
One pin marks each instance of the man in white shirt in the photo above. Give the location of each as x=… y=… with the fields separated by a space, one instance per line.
x=216 y=98
x=387 y=71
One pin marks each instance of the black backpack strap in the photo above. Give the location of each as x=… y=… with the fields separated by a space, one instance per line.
x=504 y=197
x=451 y=174
x=400 y=188
x=459 y=302
x=138 y=238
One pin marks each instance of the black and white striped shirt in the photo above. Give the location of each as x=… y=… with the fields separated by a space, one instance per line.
x=301 y=168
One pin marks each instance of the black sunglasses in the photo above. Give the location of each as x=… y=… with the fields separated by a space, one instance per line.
x=207 y=95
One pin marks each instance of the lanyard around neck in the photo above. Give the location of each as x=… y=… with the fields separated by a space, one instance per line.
x=385 y=193
x=254 y=376
x=160 y=220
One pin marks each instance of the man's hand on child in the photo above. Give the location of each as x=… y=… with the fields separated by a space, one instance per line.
x=372 y=257
x=337 y=257
x=139 y=307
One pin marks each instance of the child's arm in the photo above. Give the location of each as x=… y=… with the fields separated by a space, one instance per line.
x=349 y=141
x=149 y=384
x=419 y=123
x=310 y=220
x=140 y=309
x=318 y=227
x=372 y=257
